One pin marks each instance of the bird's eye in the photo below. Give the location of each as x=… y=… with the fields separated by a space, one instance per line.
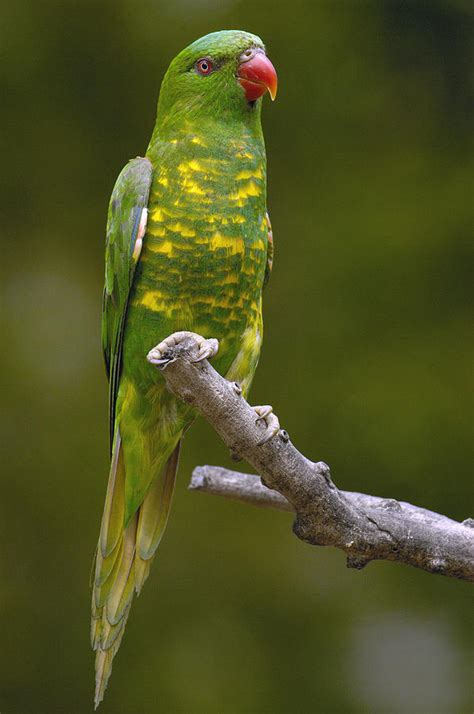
x=204 y=66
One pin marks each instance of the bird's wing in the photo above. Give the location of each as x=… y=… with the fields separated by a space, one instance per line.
x=269 y=265
x=126 y=224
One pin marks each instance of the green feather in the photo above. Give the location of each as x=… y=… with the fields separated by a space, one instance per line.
x=202 y=267
x=129 y=198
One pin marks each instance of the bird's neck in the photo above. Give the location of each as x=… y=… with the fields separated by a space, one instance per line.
x=208 y=187
x=212 y=137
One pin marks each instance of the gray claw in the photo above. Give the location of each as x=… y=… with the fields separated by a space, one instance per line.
x=161 y=362
x=265 y=413
x=203 y=354
x=271 y=431
x=208 y=350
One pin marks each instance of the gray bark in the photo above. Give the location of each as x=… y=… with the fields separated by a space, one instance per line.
x=365 y=527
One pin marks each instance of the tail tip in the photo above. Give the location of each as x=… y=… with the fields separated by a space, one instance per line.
x=103 y=669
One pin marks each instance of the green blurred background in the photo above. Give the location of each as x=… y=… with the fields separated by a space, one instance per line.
x=365 y=360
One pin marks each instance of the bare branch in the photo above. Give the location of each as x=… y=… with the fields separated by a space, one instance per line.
x=365 y=527
x=237 y=486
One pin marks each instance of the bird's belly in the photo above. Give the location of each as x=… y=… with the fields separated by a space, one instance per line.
x=211 y=286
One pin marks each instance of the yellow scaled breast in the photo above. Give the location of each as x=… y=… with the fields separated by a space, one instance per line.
x=204 y=251
x=218 y=241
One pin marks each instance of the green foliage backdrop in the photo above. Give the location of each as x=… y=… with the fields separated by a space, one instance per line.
x=365 y=359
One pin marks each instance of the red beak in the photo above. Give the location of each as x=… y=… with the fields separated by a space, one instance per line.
x=256 y=75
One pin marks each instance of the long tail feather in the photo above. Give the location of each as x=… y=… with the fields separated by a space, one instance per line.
x=154 y=517
x=123 y=558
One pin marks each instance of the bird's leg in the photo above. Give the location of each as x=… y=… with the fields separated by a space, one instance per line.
x=165 y=351
x=265 y=414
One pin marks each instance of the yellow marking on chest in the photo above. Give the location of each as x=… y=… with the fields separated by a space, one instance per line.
x=154 y=300
x=230 y=279
x=157 y=230
x=161 y=214
x=223 y=220
x=191 y=186
x=259 y=245
x=244 y=192
x=165 y=247
x=158 y=215
x=247 y=174
x=182 y=229
x=222 y=300
x=233 y=245
x=187 y=167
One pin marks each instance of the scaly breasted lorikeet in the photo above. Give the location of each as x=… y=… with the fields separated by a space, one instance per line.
x=188 y=247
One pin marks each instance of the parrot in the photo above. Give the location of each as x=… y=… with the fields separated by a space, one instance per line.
x=188 y=249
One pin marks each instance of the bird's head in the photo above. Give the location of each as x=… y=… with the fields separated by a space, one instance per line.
x=223 y=75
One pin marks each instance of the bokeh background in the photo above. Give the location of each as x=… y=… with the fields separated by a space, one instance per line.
x=365 y=360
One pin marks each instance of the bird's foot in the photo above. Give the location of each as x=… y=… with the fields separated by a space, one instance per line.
x=207 y=349
x=265 y=414
x=165 y=352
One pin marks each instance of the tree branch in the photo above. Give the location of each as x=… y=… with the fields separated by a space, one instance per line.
x=365 y=527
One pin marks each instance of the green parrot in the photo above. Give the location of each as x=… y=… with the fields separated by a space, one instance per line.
x=188 y=248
